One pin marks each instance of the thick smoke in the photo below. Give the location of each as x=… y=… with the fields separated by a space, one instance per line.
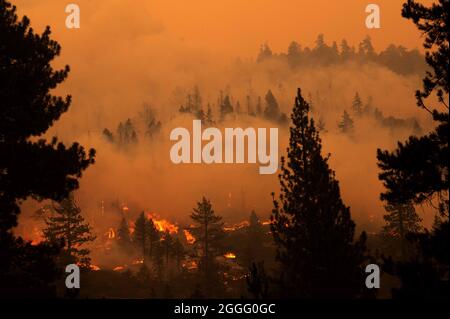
x=124 y=56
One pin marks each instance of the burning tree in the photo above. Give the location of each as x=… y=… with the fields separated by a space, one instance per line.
x=208 y=231
x=67 y=225
x=311 y=225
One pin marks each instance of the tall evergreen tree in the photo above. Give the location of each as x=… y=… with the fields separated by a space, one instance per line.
x=401 y=219
x=357 y=105
x=417 y=171
x=346 y=123
x=208 y=231
x=31 y=167
x=272 y=110
x=255 y=238
x=67 y=224
x=124 y=236
x=225 y=107
x=145 y=235
x=312 y=227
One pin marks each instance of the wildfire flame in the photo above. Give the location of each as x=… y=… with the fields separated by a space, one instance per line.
x=230 y=255
x=119 y=268
x=111 y=233
x=94 y=267
x=189 y=238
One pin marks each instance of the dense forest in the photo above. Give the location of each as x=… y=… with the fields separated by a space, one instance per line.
x=307 y=243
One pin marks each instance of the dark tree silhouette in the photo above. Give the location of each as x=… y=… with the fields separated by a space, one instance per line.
x=124 y=236
x=272 y=110
x=401 y=219
x=357 y=105
x=255 y=238
x=417 y=171
x=67 y=225
x=312 y=227
x=145 y=235
x=346 y=123
x=29 y=168
x=208 y=231
x=225 y=107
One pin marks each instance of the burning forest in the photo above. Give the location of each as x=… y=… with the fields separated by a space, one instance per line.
x=330 y=150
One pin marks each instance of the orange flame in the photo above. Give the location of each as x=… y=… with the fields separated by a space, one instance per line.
x=189 y=237
x=230 y=255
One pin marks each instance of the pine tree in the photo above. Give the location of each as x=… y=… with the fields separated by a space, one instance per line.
x=168 y=245
x=145 y=235
x=272 y=110
x=124 y=236
x=346 y=124
x=66 y=224
x=255 y=238
x=357 y=105
x=29 y=166
x=401 y=220
x=311 y=225
x=178 y=252
x=208 y=231
x=225 y=107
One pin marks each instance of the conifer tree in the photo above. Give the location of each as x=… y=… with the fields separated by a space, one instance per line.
x=208 y=231
x=30 y=166
x=124 y=236
x=357 y=105
x=225 y=107
x=272 y=110
x=346 y=124
x=255 y=239
x=145 y=235
x=66 y=224
x=401 y=219
x=312 y=227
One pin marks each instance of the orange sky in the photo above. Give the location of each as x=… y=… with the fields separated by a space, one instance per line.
x=236 y=27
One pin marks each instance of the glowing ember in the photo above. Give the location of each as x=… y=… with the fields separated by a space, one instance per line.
x=190 y=265
x=119 y=268
x=137 y=262
x=189 y=238
x=237 y=226
x=111 y=233
x=94 y=267
x=230 y=255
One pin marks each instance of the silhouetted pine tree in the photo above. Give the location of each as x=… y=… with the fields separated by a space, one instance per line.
x=124 y=236
x=272 y=110
x=31 y=167
x=401 y=220
x=255 y=238
x=225 y=107
x=417 y=171
x=145 y=235
x=208 y=231
x=346 y=123
x=312 y=227
x=66 y=224
x=357 y=105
